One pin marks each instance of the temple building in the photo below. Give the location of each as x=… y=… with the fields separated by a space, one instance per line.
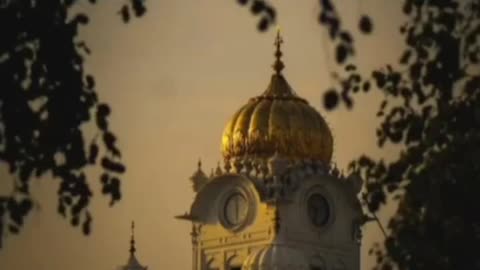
x=277 y=203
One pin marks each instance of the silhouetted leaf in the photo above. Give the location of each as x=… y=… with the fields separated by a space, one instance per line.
x=25 y=206
x=112 y=165
x=25 y=172
x=345 y=36
x=61 y=210
x=341 y=54
x=125 y=13
x=376 y=198
x=257 y=7
x=327 y=5
x=407 y=7
x=68 y=200
x=86 y=226
x=102 y=112
x=323 y=18
x=75 y=221
x=93 y=153
x=365 y=24
x=260 y=8
x=13 y=229
x=270 y=13
x=104 y=178
x=334 y=27
x=366 y=86
x=115 y=190
x=380 y=78
x=138 y=7
x=392 y=187
x=396 y=137
x=350 y=67
x=405 y=57
x=81 y=18
x=415 y=70
x=110 y=140
x=330 y=99
x=263 y=24
x=90 y=82
x=347 y=99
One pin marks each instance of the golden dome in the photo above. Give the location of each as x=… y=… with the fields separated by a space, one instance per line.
x=277 y=121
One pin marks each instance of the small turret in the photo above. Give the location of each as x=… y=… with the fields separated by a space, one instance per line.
x=218 y=170
x=199 y=178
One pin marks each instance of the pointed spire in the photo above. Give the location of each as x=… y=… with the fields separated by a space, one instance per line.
x=133 y=263
x=132 y=240
x=279 y=86
x=278 y=65
x=199 y=164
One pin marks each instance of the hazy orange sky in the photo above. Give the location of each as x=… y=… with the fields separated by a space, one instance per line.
x=174 y=78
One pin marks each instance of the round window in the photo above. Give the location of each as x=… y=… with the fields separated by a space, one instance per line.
x=236 y=209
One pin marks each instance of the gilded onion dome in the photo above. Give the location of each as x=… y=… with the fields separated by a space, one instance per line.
x=277 y=121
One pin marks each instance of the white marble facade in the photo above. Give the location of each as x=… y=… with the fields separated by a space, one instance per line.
x=278 y=203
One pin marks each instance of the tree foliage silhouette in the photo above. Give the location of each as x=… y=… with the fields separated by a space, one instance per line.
x=431 y=108
x=46 y=99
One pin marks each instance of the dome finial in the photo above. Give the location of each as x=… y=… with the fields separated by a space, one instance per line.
x=132 y=240
x=278 y=65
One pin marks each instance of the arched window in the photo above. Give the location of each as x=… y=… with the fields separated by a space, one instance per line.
x=234 y=263
x=212 y=264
